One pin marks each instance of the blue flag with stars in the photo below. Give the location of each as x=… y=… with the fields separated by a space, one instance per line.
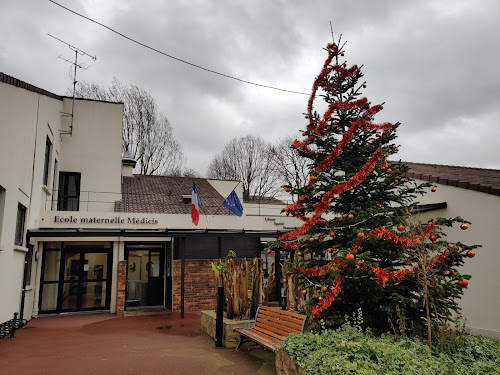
x=233 y=204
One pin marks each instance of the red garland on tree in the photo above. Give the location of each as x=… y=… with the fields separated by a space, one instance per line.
x=350 y=119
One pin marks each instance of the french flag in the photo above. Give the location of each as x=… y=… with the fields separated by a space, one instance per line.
x=195 y=206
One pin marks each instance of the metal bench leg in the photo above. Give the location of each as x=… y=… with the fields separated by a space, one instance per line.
x=242 y=340
x=13 y=326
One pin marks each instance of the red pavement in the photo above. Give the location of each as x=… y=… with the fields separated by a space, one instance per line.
x=104 y=344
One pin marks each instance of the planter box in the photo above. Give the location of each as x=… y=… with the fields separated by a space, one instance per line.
x=285 y=365
x=230 y=339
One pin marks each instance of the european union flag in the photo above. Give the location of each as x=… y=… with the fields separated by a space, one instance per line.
x=233 y=204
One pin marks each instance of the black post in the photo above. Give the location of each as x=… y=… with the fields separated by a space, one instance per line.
x=277 y=274
x=13 y=327
x=219 y=247
x=219 y=322
x=183 y=269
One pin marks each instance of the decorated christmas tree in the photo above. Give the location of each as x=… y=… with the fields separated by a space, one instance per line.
x=358 y=246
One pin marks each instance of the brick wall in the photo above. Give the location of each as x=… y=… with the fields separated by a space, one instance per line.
x=122 y=279
x=200 y=292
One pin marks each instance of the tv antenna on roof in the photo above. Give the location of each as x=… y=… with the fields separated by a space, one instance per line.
x=77 y=51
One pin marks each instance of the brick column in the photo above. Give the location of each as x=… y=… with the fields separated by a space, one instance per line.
x=122 y=278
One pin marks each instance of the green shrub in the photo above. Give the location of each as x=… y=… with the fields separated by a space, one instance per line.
x=349 y=351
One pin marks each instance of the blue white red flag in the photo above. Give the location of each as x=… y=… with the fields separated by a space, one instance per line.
x=195 y=206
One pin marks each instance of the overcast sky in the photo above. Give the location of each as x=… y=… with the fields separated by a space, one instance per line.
x=434 y=63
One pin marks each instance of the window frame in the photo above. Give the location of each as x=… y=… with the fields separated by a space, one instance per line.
x=46 y=163
x=20 y=225
x=62 y=196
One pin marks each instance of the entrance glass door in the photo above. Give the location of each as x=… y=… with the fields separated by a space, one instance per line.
x=145 y=275
x=76 y=277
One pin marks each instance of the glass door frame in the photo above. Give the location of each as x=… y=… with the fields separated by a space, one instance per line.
x=162 y=247
x=61 y=279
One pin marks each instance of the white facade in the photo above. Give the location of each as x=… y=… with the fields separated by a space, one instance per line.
x=481 y=301
x=30 y=116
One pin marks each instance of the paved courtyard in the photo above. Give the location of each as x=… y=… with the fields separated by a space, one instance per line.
x=144 y=344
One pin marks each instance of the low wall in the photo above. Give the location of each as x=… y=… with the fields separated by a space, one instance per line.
x=285 y=365
x=230 y=339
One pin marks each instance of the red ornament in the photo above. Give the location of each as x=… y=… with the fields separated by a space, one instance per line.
x=401 y=227
x=298 y=289
x=350 y=216
x=471 y=254
x=463 y=283
x=406 y=180
x=269 y=251
x=349 y=257
x=433 y=238
x=364 y=86
x=320 y=298
x=396 y=181
x=287 y=189
x=361 y=235
x=311 y=239
x=455 y=247
x=312 y=178
x=325 y=288
x=464 y=226
x=284 y=281
x=332 y=234
x=433 y=189
x=304 y=292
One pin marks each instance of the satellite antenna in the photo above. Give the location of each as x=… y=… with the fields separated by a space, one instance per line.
x=77 y=51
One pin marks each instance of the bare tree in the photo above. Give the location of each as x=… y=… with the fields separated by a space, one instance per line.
x=291 y=168
x=146 y=133
x=247 y=159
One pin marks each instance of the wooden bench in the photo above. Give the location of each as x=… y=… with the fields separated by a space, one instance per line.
x=271 y=325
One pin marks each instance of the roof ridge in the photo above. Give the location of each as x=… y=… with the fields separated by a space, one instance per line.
x=10 y=80
x=449 y=166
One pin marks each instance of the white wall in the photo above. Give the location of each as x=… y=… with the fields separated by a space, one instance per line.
x=26 y=118
x=481 y=300
x=95 y=150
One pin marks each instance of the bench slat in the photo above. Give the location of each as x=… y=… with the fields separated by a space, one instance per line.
x=268 y=333
x=283 y=312
x=271 y=325
x=267 y=342
x=284 y=318
x=279 y=334
x=291 y=326
x=277 y=327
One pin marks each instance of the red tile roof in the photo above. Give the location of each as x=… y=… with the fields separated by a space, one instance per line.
x=163 y=194
x=478 y=179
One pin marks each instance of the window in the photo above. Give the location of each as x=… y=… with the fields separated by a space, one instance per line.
x=69 y=191
x=21 y=217
x=54 y=185
x=28 y=264
x=48 y=149
x=2 y=206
